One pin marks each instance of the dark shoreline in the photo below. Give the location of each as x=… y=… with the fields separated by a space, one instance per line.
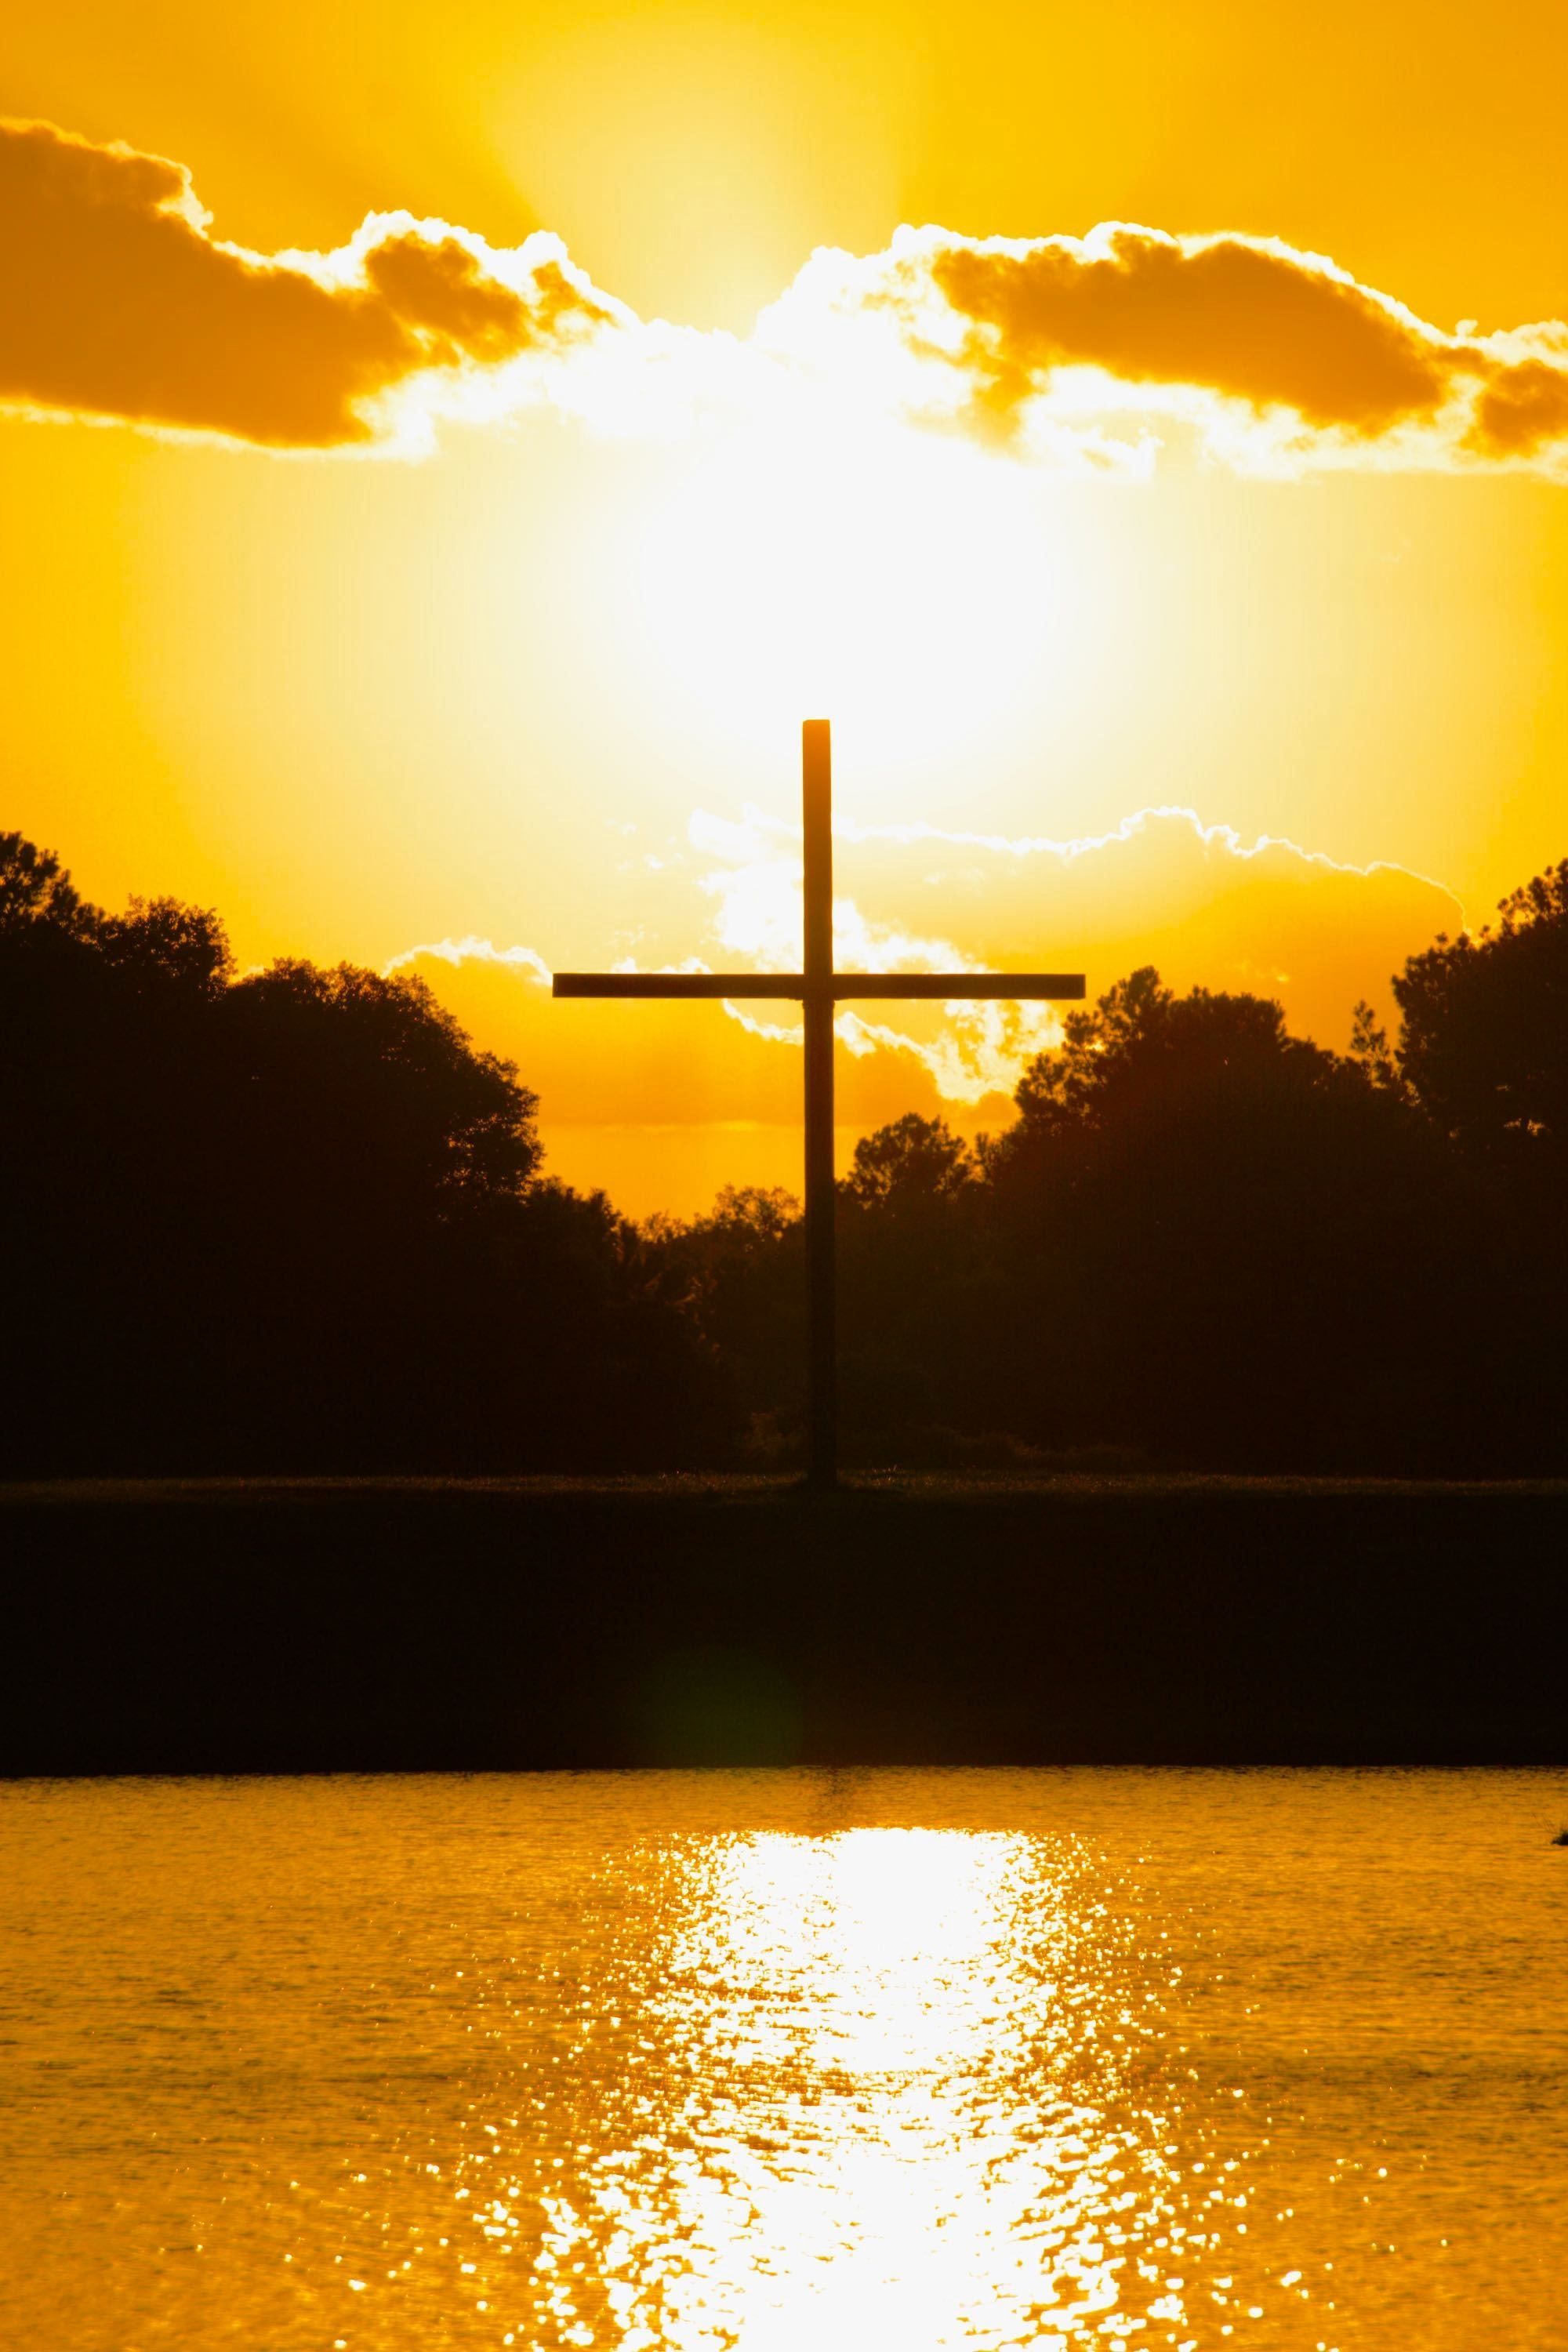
x=247 y=1625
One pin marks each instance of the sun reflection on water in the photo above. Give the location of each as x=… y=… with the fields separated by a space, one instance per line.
x=788 y=2063
x=892 y=2105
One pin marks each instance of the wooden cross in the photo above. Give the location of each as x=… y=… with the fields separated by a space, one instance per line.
x=819 y=989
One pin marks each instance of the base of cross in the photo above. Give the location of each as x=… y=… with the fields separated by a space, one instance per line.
x=819 y=990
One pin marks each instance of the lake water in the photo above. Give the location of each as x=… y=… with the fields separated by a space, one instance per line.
x=788 y=2061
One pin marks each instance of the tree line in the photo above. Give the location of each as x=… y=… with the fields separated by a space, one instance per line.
x=294 y=1221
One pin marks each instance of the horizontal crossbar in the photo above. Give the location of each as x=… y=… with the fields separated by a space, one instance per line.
x=1016 y=986
x=679 y=983
x=941 y=984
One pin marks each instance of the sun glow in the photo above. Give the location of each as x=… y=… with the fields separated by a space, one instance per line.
x=910 y=584
x=636 y=285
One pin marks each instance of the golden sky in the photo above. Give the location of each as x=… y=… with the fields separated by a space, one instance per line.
x=445 y=455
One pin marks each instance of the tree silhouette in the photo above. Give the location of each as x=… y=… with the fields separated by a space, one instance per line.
x=295 y=1219
x=1484 y=1045
x=908 y=1167
x=1203 y=1243
x=1230 y=1244
x=36 y=888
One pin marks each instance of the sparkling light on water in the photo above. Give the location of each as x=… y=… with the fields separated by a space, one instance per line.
x=788 y=2063
x=903 y=2123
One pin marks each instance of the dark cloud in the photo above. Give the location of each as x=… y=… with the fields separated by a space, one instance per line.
x=1252 y=322
x=116 y=302
x=1521 y=410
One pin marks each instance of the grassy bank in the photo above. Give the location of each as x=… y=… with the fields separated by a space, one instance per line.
x=385 y=1624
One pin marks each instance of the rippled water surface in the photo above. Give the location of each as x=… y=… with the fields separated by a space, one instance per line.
x=785 y=2061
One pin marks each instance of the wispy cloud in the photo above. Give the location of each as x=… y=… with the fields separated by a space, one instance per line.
x=117 y=302
x=519 y=961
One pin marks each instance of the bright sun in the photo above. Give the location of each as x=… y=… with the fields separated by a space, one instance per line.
x=910 y=586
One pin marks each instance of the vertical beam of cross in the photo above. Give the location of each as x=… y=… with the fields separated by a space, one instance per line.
x=821 y=1198
x=819 y=989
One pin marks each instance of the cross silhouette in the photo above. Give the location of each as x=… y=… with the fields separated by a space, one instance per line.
x=819 y=988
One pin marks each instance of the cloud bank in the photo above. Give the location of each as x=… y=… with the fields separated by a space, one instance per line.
x=118 y=302
x=1266 y=918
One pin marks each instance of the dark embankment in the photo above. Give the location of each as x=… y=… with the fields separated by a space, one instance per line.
x=293 y=1627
